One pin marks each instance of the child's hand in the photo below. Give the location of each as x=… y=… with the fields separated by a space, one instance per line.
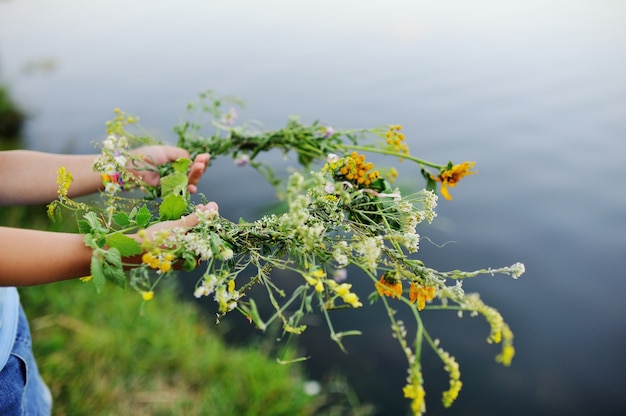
x=154 y=156
x=186 y=222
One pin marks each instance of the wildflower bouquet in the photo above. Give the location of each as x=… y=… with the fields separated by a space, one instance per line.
x=346 y=213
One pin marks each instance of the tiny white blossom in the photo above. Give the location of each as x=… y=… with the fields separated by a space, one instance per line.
x=109 y=143
x=110 y=169
x=242 y=160
x=122 y=142
x=112 y=187
x=517 y=270
x=226 y=253
x=411 y=241
x=197 y=245
x=340 y=275
x=340 y=253
x=370 y=250
x=120 y=160
x=230 y=117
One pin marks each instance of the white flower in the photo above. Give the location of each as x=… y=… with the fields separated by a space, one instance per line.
x=226 y=253
x=242 y=160
x=206 y=287
x=370 y=248
x=230 y=117
x=120 y=160
x=110 y=169
x=295 y=183
x=312 y=235
x=411 y=241
x=109 y=143
x=112 y=188
x=331 y=158
x=122 y=142
x=201 y=291
x=200 y=247
x=340 y=275
x=517 y=270
x=340 y=253
x=227 y=297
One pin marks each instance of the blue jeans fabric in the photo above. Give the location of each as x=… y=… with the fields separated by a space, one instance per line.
x=22 y=391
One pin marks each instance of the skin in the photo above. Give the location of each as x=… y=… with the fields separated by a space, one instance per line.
x=31 y=257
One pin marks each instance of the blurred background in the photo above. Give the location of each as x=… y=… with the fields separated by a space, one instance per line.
x=533 y=91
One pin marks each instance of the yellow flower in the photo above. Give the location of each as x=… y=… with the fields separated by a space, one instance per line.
x=421 y=294
x=452 y=175
x=389 y=288
x=343 y=291
x=415 y=391
x=354 y=169
x=452 y=368
x=64 y=179
x=147 y=295
x=150 y=260
x=165 y=266
x=316 y=279
x=352 y=300
x=508 y=351
x=395 y=140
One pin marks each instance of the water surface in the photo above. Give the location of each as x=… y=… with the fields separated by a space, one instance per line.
x=532 y=91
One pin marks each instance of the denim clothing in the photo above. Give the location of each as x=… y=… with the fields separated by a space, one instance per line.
x=9 y=317
x=22 y=391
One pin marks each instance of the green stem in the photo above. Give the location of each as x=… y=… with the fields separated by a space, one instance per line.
x=393 y=153
x=420 y=333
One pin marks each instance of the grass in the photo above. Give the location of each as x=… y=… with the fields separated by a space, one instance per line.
x=11 y=117
x=101 y=356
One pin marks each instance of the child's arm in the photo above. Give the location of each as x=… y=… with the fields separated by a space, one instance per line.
x=29 y=177
x=31 y=257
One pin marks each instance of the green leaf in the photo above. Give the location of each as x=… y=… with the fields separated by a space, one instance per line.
x=189 y=262
x=216 y=242
x=89 y=241
x=122 y=219
x=112 y=267
x=113 y=256
x=143 y=217
x=94 y=242
x=126 y=245
x=89 y=223
x=84 y=227
x=182 y=165
x=174 y=183
x=431 y=184
x=97 y=272
x=172 y=208
x=115 y=275
x=373 y=297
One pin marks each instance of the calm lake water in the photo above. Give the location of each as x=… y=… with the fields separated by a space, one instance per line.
x=533 y=91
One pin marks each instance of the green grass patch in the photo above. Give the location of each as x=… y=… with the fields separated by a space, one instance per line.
x=11 y=117
x=101 y=356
